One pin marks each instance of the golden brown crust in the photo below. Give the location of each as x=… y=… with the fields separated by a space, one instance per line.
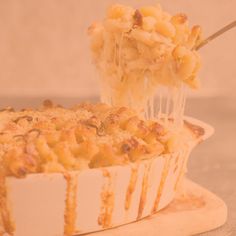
x=138 y=18
x=55 y=139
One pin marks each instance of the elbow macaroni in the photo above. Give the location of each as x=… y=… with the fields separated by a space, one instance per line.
x=56 y=139
x=134 y=47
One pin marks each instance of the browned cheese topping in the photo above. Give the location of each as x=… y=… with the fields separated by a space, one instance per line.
x=56 y=139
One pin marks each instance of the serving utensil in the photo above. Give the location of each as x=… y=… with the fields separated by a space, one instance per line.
x=216 y=34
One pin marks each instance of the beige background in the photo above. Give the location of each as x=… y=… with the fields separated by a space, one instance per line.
x=44 y=47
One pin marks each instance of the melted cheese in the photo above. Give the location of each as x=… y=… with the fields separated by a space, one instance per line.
x=139 y=51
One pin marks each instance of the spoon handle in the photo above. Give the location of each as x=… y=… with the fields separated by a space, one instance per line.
x=216 y=34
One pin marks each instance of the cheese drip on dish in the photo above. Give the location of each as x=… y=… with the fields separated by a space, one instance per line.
x=138 y=51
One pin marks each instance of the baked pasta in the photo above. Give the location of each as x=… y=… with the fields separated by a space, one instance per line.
x=56 y=139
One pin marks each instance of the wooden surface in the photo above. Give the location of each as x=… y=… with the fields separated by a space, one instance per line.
x=194 y=210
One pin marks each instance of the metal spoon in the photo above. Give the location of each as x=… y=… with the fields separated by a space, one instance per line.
x=216 y=34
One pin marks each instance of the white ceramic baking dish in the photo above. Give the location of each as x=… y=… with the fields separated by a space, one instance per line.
x=96 y=199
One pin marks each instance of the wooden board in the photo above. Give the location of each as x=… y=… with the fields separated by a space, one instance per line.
x=195 y=210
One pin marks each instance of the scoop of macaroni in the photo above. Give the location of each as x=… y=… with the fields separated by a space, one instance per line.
x=137 y=50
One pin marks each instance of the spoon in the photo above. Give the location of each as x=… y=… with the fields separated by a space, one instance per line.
x=215 y=35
